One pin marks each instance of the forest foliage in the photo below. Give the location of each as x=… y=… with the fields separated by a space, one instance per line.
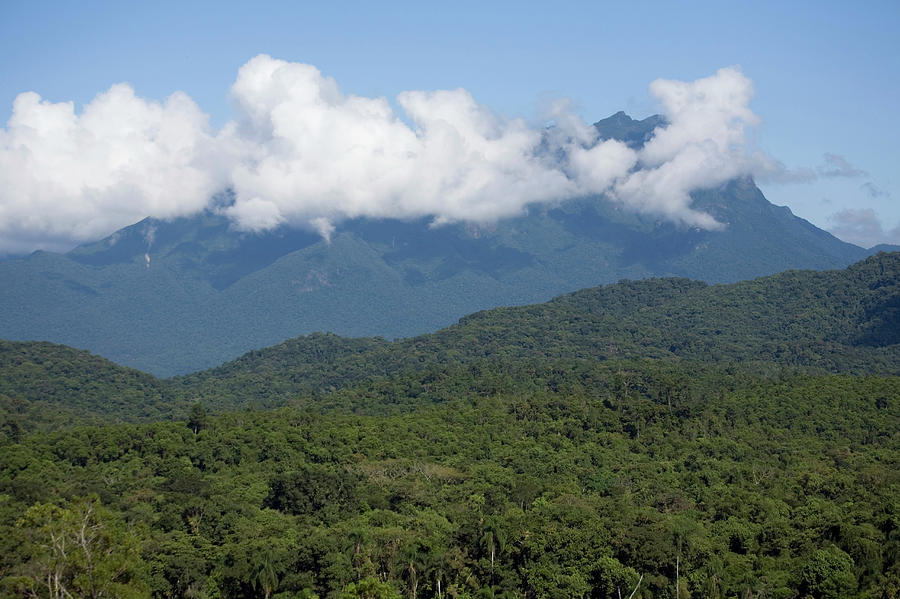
x=740 y=441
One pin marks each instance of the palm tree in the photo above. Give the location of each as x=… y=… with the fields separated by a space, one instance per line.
x=435 y=566
x=713 y=584
x=412 y=566
x=264 y=575
x=494 y=542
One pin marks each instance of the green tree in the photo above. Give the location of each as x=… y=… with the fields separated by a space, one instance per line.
x=199 y=418
x=493 y=539
x=369 y=588
x=80 y=550
x=828 y=574
x=265 y=576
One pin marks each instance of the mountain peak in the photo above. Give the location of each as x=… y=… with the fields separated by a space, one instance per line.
x=633 y=133
x=620 y=116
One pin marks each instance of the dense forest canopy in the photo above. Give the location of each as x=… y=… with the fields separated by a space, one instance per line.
x=662 y=438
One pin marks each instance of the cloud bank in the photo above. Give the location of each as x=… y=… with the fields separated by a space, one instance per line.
x=303 y=153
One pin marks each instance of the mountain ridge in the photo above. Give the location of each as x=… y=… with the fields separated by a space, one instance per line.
x=831 y=321
x=814 y=322
x=176 y=296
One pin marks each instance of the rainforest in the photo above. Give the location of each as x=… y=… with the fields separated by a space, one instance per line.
x=662 y=438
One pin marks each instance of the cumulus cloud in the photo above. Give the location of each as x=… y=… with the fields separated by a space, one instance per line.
x=316 y=154
x=301 y=152
x=702 y=146
x=862 y=227
x=66 y=177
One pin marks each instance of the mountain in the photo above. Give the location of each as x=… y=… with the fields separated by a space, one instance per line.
x=842 y=321
x=176 y=296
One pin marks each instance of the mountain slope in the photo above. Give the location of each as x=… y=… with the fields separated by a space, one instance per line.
x=835 y=321
x=172 y=297
x=45 y=386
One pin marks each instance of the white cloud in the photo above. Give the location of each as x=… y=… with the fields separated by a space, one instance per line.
x=66 y=177
x=255 y=214
x=317 y=153
x=302 y=152
x=710 y=114
x=702 y=146
x=597 y=168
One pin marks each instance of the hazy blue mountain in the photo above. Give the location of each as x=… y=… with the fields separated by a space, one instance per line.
x=624 y=128
x=176 y=296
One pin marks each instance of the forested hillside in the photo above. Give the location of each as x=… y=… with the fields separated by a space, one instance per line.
x=832 y=321
x=44 y=386
x=663 y=438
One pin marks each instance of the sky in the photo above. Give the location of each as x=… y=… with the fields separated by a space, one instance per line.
x=316 y=112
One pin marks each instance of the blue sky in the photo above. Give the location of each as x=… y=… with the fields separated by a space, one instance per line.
x=826 y=75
